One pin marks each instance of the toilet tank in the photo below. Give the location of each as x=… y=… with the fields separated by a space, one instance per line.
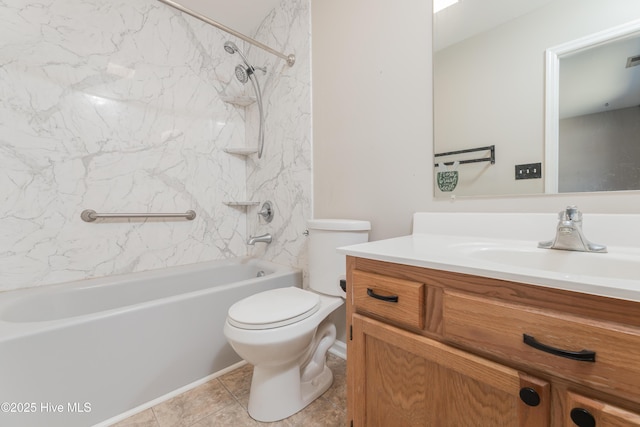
x=326 y=266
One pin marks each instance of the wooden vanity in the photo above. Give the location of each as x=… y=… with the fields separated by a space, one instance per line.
x=428 y=347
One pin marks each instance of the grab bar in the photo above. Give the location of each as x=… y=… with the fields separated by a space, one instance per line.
x=89 y=215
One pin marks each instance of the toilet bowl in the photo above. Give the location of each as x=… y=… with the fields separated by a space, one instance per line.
x=285 y=333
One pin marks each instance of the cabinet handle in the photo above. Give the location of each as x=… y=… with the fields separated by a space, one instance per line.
x=390 y=298
x=582 y=418
x=529 y=396
x=582 y=355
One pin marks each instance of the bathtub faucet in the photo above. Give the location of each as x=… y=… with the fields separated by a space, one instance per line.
x=265 y=238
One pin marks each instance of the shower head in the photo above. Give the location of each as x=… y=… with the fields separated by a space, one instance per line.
x=242 y=73
x=230 y=47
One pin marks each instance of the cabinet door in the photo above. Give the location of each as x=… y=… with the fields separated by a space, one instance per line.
x=403 y=379
x=581 y=411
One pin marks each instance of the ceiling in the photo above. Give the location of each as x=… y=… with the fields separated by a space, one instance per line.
x=470 y=17
x=241 y=15
x=597 y=79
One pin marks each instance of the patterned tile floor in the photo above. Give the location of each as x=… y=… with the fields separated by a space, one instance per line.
x=223 y=401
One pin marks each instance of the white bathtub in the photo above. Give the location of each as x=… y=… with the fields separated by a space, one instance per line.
x=80 y=353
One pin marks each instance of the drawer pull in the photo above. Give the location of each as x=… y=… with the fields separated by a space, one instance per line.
x=582 y=355
x=582 y=418
x=390 y=298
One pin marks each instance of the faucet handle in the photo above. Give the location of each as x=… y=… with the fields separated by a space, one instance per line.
x=266 y=212
x=571 y=213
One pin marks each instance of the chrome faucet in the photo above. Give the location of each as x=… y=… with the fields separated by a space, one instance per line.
x=569 y=235
x=265 y=238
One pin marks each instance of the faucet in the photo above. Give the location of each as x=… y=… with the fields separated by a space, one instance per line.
x=569 y=235
x=265 y=238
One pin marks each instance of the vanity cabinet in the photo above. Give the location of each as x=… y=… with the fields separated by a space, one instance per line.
x=404 y=379
x=434 y=348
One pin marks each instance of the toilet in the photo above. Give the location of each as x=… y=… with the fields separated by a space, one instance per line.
x=285 y=333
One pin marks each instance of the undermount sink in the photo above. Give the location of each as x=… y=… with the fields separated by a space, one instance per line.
x=567 y=263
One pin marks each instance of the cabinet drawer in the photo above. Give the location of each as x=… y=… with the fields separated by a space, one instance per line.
x=580 y=409
x=499 y=328
x=398 y=300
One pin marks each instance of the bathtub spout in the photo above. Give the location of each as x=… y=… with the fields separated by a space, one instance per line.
x=265 y=238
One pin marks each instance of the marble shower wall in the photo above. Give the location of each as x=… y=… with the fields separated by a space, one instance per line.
x=283 y=174
x=116 y=106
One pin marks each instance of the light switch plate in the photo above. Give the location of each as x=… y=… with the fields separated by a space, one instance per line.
x=529 y=171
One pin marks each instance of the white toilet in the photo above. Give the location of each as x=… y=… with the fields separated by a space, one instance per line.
x=285 y=332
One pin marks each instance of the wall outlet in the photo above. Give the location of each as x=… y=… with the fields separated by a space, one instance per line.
x=529 y=171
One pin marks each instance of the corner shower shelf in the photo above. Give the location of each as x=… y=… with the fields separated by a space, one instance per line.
x=240 y=151
x=239 y=101
x=241 y=203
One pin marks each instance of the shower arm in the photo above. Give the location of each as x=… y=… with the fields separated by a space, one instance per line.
x=291 y=58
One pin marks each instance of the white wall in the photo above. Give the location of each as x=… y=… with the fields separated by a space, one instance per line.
x=372 y=117
x=372 y=111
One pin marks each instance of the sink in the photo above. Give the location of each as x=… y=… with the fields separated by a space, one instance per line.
x=566 y=263
x=505 y=246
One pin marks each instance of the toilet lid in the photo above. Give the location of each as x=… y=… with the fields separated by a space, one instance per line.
x=273 y=308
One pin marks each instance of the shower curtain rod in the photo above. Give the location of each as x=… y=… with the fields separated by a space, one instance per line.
x=291 y=59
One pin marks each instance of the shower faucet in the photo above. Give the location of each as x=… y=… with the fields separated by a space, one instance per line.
x=266 y=212
x=265 y=238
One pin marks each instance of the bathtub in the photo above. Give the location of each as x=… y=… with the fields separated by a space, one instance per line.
x=80 y=353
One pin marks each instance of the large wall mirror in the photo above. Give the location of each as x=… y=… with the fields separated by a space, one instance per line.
x=552 y=85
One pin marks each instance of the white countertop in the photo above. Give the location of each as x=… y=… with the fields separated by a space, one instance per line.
x=614 y=274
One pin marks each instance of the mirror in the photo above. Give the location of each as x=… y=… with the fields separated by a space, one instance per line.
x=491 y=63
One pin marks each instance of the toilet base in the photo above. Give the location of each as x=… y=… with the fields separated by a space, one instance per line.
x=277 y=394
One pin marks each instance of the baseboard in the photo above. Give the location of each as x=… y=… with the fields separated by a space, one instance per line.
x=168 y=396
x=339 y=349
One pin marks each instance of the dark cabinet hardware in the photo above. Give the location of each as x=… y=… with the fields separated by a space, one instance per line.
x=582 y=418
x=529 y=396
x=582 y=355
x=390 y=298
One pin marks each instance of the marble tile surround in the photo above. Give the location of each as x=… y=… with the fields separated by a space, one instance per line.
x=283 y=174
x=116 y=106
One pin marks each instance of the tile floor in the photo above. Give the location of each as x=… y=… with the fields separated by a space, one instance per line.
x=223 y=402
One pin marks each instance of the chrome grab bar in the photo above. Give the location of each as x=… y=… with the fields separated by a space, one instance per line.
x=89 y=215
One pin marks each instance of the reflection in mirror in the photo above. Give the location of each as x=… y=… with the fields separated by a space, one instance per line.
x=489 y=89
x=593 y=95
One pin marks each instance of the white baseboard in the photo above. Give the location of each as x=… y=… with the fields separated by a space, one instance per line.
x=339 y=349
x=168 y=396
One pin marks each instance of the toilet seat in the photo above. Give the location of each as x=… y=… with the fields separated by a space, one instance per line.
x=273 y=309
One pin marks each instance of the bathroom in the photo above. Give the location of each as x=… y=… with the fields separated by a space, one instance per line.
x=349 y=134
